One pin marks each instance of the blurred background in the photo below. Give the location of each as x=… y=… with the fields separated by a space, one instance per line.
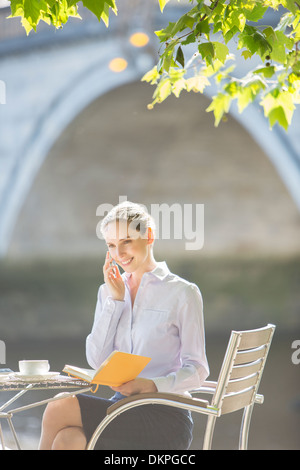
x=75 y=133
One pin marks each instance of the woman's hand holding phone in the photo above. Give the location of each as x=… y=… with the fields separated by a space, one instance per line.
x=113 y=279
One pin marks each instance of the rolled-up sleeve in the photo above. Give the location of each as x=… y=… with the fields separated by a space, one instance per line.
x=100 y=342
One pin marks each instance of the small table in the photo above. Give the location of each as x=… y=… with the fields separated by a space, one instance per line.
x=13 y=384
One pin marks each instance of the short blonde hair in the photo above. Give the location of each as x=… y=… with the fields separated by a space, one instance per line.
x=135 y=214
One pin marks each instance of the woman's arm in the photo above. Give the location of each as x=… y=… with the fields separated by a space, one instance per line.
x=194 y=368
x=138 y=385
x=100 y=342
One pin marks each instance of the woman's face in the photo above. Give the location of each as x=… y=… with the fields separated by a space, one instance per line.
x=127 y=247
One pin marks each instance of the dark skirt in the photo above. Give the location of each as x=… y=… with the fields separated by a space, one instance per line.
x=146 y=427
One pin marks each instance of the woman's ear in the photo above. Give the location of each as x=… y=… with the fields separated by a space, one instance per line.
x=150 y=236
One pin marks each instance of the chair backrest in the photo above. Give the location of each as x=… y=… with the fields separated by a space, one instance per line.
x=242 y=368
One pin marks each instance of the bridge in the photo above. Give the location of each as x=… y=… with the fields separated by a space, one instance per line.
x=47 y=80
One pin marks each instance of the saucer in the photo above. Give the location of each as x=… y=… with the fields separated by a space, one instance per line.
x=36 y=378
x=4 y=377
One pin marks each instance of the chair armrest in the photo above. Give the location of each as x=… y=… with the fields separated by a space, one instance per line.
x=207 y=387
x=209 y=383
x=168 y=397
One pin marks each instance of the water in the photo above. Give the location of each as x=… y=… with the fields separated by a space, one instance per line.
x=275 y=424
x=54 y=301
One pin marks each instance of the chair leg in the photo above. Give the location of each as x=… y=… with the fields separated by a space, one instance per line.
x=210 y=426
x=244 y=432
x=2 y=438
x=14 y=433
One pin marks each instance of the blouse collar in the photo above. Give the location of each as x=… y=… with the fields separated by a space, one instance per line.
x=160 y=271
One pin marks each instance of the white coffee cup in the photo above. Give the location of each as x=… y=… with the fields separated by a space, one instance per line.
x=34 y=367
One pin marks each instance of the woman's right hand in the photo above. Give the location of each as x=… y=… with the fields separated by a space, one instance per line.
x=113 y=279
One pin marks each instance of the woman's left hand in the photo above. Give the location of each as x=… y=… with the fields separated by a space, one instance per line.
x=138 y=385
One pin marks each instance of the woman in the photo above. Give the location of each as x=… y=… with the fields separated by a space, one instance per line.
x=147 y=311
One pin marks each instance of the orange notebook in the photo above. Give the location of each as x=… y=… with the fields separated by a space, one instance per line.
x=116 y=370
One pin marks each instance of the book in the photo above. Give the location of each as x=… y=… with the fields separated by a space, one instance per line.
x=118 y=368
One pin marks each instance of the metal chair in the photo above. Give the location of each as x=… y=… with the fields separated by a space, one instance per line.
x=236 y=388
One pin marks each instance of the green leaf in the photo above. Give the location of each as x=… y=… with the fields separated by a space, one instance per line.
x=17 y=8
x=247 y=90
x=179 y=25
x=70 y=2
x=166 y=33
x=162 y=4
x=296 y=68
x=275 y=4
x=254 y=41
x=223 y=74
x=191 y=38
x=279 y=43
x=59 y=12
x=244 y=97
x=184 y=22
x=268 y=72
x=31 y=12
x=278 y=115
x=256 y=13
x=172 y=29
x=176 y=74
x=100 y=8
x=290 y=5
x=278 y=53
x=246 y=54
x=270 y=34
x=26 y=25
x=167 y=59
x=163 y=90
x=221 y=51
x=293 y=77
x=105 y=14
x=233 y=88
x=197 y=83
x=278 y=107
x=212 y=69
x=285 y=21
x=220 y=105
x=247 y=41
x=230 y=34
x=235 y=18
x=180 y=56
x=203 y=27
x=152 y=76
x=207 y=51
x=178 y=86
x=218 y=25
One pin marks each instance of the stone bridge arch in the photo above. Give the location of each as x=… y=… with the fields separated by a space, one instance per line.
x=115 y=147
x=74 y=75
